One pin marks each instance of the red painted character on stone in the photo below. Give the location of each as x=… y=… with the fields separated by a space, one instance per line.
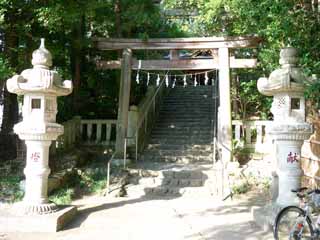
x=292 y=158
x=35 y=156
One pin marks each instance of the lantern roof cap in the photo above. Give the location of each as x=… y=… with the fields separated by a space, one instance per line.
x=41 y=57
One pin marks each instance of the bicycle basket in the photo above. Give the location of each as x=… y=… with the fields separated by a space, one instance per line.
x=316 y=199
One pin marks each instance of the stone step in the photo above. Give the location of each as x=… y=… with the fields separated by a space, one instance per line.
x=181 y=153
x=167 y=192
x=189 y=114
x=179 y=147
x=194 y=118
x=174 y=124
x=182 y=136
x=201 y=99
x=180 y=131
x=171 y=182
x=163 y=132
x=189 y=105
x=177 y=159
x=181 y=120
x=182 y=127
x=175 y=171
x=181 y=141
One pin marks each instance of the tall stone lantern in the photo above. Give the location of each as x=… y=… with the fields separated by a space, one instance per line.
x=288 y=129
x=40 y=87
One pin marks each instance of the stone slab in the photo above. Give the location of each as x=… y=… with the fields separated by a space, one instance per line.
x=265 y=216
x=10 y=222
x=119 y=162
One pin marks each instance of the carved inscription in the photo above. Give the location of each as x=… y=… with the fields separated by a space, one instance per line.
x=35 y=156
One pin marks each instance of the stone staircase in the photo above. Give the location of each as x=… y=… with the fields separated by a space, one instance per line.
x=178 y=160
x=169 y=180
x=183 y=133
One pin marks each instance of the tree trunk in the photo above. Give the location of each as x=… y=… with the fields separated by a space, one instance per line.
x=117 y=11
x=77 y=36
x=308 y=5
x=10 y=103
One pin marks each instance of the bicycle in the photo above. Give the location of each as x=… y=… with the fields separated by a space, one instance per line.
x=295 y=223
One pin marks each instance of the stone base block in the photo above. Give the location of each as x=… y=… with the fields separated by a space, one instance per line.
x=265 y=216
x=10 y=222
x=118 y=162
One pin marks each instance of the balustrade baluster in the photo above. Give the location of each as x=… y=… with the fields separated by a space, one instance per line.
x=65 y=136
x=89 y=131
x=69 y=134
x=81 y=130
x=238 y=132
x=73 y=131
x=99 y=136
x=248 y=135
x=108 y=133
x=259 y=134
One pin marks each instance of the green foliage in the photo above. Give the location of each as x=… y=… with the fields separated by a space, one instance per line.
x=10 y=189
x=250 y=182
x=79 y=183
x=279 y=23
x=5 y=69
x=68 y=27
x=241 y=187
x=247 y=100
x=62 y=196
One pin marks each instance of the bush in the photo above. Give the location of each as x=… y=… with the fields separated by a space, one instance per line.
x=10 y=189
x=62 y=196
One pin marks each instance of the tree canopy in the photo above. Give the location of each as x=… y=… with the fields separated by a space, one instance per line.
x=70 y=25
x=280 y=23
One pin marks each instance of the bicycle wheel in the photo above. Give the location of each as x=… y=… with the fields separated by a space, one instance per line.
x=292 y=224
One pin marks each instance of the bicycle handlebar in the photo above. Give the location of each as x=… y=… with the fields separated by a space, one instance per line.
x=300 y=191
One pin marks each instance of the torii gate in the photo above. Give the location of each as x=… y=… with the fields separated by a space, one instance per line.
x=223 y=62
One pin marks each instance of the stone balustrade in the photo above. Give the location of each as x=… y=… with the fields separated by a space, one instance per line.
x=98 y=131
x=71 y=133
x=88 y=132
x=253 y=135
x=103 y=131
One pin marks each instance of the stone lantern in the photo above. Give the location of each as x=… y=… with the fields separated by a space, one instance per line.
x=40 y=87
x=288 y=129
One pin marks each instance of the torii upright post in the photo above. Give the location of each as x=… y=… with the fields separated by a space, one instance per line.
x=224 y=118
x=124 y=101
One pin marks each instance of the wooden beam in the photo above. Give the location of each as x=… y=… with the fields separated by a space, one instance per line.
x=185 y=64
x=176 y=43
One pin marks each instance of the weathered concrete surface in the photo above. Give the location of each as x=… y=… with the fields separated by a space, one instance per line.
x=10 y=222
x=172 y=219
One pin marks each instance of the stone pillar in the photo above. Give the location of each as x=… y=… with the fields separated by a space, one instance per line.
x=288 y=129
x=225 y=124
x=124 y=101
x=37 y=172
x=40 y=87
x=132 y=124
